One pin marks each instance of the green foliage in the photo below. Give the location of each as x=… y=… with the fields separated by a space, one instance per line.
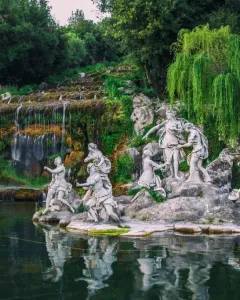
x=147 y=28
x=206 y=78
x=236 y=175
x=124 y=167
x=31 y=44
x=80 y=209
x=76 y=50
x=136 y=141
x=158 y=198
x=184 y=167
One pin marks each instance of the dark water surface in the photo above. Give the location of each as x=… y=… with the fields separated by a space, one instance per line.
x=43 y=263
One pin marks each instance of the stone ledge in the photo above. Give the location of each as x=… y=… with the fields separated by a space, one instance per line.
x=141 y=229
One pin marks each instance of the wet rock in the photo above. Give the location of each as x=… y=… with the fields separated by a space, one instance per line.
x=54 y=217
x=187 y=228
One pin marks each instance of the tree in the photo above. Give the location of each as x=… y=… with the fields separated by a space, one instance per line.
x=205 y=76
x=100 y=45
x=76 y=17
x=147 y=28
x=76 y=50
x=31 y=44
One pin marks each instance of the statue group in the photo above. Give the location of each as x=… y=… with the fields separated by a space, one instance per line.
x=172 y=141
x=175 y=134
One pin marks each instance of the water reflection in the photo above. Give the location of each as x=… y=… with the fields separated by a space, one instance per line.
x=59 y=250
x=46 y=262
x=98 y=263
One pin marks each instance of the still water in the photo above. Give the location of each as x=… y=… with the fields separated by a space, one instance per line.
x=43 y=263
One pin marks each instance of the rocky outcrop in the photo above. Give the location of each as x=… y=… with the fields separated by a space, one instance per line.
x=188 y=203
x=220 y=171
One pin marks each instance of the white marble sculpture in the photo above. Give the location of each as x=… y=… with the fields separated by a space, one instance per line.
x=59 y=189
x=101 y=162
x=148 y=178
x=142 y=115
x=171 y=135
x=98 y=200
x=199 y=143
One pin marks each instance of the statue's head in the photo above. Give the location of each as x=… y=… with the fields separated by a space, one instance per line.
x=57 y=161
x=188 y=126
x=91 y=168
x=92 y=146
x=170 y=113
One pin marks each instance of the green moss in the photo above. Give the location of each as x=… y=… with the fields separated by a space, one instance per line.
x=108 y=232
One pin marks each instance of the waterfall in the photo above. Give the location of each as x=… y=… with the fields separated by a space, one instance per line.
x=16 y=117
x=63 y=125
x=38 y=147
x=19 y=147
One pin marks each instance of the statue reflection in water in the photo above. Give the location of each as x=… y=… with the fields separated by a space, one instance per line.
x=98 y=263
x=98 y=259
x=59 y=250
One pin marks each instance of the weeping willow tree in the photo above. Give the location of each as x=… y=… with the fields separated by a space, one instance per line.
x=205 y=77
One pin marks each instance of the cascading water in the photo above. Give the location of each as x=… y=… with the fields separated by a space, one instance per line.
x=63 y=125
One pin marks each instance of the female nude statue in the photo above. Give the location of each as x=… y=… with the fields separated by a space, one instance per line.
x=170 y=137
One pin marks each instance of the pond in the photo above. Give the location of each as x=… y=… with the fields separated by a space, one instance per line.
x=45 y=263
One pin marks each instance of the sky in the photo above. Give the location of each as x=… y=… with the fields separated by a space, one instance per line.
x=62 y=9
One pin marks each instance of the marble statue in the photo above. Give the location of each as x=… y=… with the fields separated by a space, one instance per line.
x=142 y=115
x=101 y=162
x=98 y=200
x=148 y=178
x=59 y=189
x=171 y=135
x=199 y=143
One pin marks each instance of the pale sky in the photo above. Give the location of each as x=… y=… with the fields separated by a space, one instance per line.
x=62 y=9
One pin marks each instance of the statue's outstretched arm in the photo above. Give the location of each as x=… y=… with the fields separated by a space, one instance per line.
x=54 y=171
x=155 y=128
x=157 y=166
x=86 y=184
x=185 y=145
